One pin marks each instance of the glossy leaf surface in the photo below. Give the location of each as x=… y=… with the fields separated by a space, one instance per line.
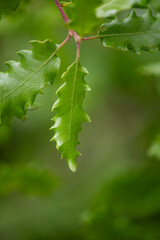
x=135 y=33
x=25 y=79
x=69 y=113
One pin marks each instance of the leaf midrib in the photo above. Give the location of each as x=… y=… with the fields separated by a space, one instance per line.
x=123 y=34
x=72 y=98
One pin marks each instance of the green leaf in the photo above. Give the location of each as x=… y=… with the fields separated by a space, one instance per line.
x=111 y=7
x=83 y=15
x=135 y=33
x=25 y=79
x=69 y=113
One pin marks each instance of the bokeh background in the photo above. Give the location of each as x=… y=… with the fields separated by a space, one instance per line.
x=115 y=193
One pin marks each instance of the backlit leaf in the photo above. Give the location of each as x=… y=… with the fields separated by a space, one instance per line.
x=69 y=113
x=25 y=79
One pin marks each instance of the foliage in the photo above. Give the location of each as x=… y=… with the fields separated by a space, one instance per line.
x=38 y=67
x=125 y=113
x=69 y=117
x=25 y=79
x=134 y=33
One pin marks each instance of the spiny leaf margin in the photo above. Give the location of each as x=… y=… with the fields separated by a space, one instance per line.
x=69 y=113
x=134 y=33
x=25 y=79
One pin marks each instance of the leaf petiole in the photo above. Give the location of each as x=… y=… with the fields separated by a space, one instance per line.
x=90 y=38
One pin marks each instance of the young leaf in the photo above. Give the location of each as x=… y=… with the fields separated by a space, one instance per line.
x=110 y=7
x=69 y=113
x=25 y=79
x=135 y=33
x=83 y=15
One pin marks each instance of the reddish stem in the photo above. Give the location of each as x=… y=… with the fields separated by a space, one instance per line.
x=78 y=50
x=64 y=42
x=77 y=38
x=78 y=41
x=66 y=19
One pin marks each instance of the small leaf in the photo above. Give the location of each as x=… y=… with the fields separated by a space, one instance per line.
x=69 y=113
x=110 y=7
x=25 y=79
x=135 y=33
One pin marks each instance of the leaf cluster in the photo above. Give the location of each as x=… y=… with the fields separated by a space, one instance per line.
x=37 y=68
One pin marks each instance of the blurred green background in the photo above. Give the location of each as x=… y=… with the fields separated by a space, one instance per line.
x=115 y=193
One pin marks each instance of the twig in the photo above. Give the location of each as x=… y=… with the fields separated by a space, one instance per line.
x=71 y=33
x=66 y=19
x=64 y=42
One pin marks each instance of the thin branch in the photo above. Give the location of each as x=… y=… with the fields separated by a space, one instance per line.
x=64 y=42
x=64 y=16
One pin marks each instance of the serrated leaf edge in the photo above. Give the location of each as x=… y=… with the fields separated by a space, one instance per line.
x=72 y=165
x=10 y=67
x=132 y=15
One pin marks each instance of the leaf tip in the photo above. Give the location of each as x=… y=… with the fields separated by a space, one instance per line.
x=72 y=165
x=133 y=14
